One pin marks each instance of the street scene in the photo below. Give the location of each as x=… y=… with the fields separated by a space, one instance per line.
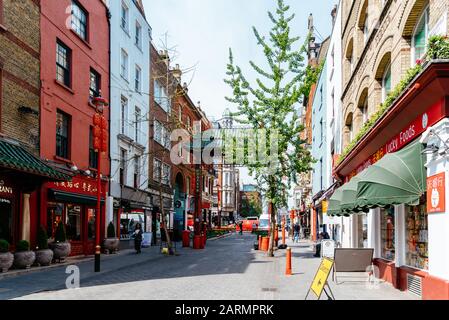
x=244 y=150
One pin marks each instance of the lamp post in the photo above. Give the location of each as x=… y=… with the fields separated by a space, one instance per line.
x=100 y=146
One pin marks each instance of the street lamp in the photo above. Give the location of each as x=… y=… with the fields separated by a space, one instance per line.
x=100 y=145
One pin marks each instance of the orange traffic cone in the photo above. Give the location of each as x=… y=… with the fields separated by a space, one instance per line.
x=288 y=264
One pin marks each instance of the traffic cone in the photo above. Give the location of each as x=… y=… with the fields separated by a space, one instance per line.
x=288 y=264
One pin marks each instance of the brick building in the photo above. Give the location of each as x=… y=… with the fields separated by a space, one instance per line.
x=21 y=169
x=74 y=69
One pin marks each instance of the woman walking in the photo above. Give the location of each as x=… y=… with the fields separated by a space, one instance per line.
x=138 y=237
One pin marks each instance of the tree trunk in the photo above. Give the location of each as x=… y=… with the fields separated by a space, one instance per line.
x=272 y=213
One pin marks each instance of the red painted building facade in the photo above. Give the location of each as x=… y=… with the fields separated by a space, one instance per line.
x=74 y=68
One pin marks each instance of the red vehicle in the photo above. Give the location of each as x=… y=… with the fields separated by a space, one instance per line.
x=249 y=224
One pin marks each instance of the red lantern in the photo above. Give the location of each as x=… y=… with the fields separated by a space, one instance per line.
x=97 y=143
x=97 y=119
x=104 y=123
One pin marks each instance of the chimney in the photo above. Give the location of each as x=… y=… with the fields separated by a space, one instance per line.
x=177 y=73
x=334 y=14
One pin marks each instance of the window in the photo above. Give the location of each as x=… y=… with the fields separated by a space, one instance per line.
x=79 y=20
x=125 y=14
x=124 y=65
x=93 y=156
x=362 y=230
x=63 y=57
x=137 y=79
x=166 y=170
x=123 y=159
x=366 y=27
x=124 y=114
x=73 y=222
x=387 y=233
x=167 y=141
x=138 y=39
x=157 y=170
x=364 y=110
x=95 y=82
x=62 y=134
x=420 y=36
x=386 y=83
x=136 y=172
x=416 y=221
x=160 y=96
x=138 y=124
x=157 y=132
x=91 y=228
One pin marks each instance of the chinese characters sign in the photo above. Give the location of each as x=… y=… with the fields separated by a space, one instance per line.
x=436 y=193
x=78 y=185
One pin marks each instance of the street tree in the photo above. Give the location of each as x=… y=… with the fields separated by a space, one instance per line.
x=272 y=103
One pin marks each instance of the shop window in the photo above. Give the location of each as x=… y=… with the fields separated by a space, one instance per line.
x=91 y=223
x=420 y=36
x=54 y=217
x=362 y=230
x=79 y=20
x=6 y=220
x=417 y=237
x=62 y=134
x=63 y=64
x=73 y=222
x=387 y=233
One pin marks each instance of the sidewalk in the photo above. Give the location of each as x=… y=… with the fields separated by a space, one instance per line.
x=352 y=286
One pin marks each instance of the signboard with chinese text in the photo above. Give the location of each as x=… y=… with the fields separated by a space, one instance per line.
x=436 y=193
x=78 y=185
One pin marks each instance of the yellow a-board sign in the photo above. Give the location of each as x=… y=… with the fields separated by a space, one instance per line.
x=321 y=276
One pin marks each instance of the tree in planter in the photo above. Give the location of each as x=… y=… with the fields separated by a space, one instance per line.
x=6 y=257
x=42 y=239
x=111 y=243
x=23 y=257
x=44 y=255
x=60 y=235
x=274 y=107
x=61 y=247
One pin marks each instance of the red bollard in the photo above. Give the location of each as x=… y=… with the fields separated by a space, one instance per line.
x=288 y=264
x=197 y=242
x=186 y=238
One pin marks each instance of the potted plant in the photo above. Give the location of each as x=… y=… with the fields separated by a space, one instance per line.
x=61 y=247
x=24 y=257
x=6 y=257
x=44 y=255
x=111 y=243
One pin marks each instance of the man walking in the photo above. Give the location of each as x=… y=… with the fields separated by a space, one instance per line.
x=296 y=230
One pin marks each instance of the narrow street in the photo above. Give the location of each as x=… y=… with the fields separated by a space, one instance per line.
x=228 y=268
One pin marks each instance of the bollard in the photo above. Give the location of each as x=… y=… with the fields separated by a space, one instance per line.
x=283 y=235
x=288 y=264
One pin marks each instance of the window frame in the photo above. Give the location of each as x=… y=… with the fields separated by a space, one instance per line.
x=138 y=123
x=123 y=114
x=157 y=170
x=84 y=37
x=124 y=20
x=136 y=177
x=384 y=91
x=67 y=154
x=67 y=70
x=124 y=64
x=138 y=35
x=122 y=167
x=426 y=15
x=97 y=83
x=138 y=80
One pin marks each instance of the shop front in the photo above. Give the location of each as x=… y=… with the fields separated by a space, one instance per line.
x=74 y=204
x=394 y=178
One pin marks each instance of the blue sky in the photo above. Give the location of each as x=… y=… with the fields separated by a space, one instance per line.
x=202 y=31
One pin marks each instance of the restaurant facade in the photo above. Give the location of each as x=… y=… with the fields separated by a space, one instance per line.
x=393 y=171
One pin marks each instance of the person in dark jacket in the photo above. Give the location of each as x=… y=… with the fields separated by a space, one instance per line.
x=138 y=237
x=323 y=236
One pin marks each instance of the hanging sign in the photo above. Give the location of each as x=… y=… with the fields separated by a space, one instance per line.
x=436 y=193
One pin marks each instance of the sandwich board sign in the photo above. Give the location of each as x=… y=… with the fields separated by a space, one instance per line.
x=320 y=280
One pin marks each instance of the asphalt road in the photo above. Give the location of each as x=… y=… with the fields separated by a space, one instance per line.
x=228 y=269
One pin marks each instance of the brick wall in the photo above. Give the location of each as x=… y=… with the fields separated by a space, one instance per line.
x=19 y=53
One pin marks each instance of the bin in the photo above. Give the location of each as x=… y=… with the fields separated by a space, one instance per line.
x=265 y=243
x=186 y=238
x=197 y=242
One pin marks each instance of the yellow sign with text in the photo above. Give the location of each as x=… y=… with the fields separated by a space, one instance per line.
x=324 y=206
x=321 y=276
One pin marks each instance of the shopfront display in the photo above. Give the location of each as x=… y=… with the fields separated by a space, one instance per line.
x=388 y=250
x=362 y=230
x=417 y=237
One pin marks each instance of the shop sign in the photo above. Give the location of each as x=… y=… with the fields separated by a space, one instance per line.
x=77 y=185
x=5 y=189
x=320 y=279
x=407 y=135
x=324 y=206
x=436 y=193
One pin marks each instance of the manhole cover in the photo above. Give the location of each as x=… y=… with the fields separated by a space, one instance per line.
x=269 y=289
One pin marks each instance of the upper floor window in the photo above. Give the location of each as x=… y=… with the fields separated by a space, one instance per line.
x=420 y=36
x=157 y=167
x=123 y=160
x=160 y=96
x=366 y=27
x=63 y=63
x=136 y=172
x=93 y=155
x=62 y=134
x=95 y=81
x=157 y=136
x=137 y=80
x=166 y=171
x=125 y=19
x=386 y=83
x=124 y=65
x=79 y=20
x=138 y=125
x=124 y=114
x=138 y=39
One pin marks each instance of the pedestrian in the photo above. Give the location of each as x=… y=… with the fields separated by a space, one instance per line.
x=296 y=230
x=138 y=237
x=241 y=227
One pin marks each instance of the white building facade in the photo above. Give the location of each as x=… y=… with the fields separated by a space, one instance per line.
x=128 y=201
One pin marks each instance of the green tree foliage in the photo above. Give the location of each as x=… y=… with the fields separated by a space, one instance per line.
x=42 y=238
x=273 y=103
x=60 y=235
x=23 y=245
x=251 y=207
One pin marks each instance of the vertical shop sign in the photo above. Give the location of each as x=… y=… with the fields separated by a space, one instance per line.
x=436 y=193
